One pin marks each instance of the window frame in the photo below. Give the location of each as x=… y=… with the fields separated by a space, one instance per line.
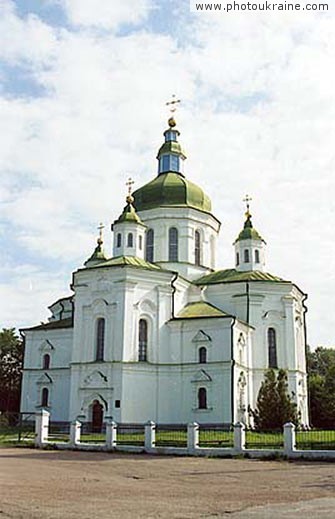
x=149 y=245
x=100 y=335
x=173 y=244
x=143 y=334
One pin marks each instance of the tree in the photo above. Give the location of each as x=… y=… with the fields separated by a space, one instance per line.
x=275 y=405
x=11 y=362
x=321 y=386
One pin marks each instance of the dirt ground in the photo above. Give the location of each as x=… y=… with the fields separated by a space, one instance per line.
x=65 y=484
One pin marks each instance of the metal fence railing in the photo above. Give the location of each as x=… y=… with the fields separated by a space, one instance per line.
x=17 y=427
x=216 y=435
x=264 y=440
x=59 y=432
x=171 y=435
x=315 y=440
x=92 y=434
x=130 y=434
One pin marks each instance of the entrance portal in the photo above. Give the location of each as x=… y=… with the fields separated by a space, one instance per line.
x=97 y=416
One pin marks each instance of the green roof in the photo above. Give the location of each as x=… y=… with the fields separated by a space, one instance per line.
x=233 y=275
x=200 y=309
x=131 y=261
x=171 y=147
x=171 y=189
x=248 y=232
x=129 y=215
x=97 y=256
x=53 y=325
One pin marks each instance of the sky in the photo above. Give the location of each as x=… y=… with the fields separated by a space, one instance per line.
x=83 y=92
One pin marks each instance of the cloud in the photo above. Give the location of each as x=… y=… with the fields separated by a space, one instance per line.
x=257 y=115
x=106 y=15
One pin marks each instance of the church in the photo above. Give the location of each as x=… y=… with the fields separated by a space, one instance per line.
x=157 y=332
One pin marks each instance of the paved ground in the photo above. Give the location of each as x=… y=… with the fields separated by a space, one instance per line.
x=50 y=484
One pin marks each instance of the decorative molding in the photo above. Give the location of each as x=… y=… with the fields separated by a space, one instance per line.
x=201 y=336
x=201 y=376
x=95 y=379
x=44 y=379
x=46 y=346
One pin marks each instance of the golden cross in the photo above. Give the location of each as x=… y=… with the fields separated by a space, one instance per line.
x=247 y=199
x=100 y=229
x=173 y=103
x=129 y=184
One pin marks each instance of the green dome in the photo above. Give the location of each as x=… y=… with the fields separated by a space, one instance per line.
x=171 y=189
x=248 y=232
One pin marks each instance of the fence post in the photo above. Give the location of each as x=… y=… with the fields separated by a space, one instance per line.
x=192 y=436
x=111 y=431
x=239 y=437
x=75 y=431
x=289 y=438
x=41 y=427
x=149 y=435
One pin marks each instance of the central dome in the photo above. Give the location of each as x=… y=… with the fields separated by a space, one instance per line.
x=171 y=189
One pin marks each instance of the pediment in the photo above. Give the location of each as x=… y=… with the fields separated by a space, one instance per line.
x=46 y=346
x=44 y=379
x=273 y=314
x=201 y=376
x=201 y=336
x=95 y=379
x=147 y=306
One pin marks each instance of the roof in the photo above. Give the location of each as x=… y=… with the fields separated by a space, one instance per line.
x=128 y=215
x=249 y=232
x=53 y=325
x=200 y=309
x=171 y=189
x=131 y=261
x=233 y=275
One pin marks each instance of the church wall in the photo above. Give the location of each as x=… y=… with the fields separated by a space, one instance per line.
x=57 y=344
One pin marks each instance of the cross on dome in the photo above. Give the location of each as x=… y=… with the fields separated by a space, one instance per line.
x=130 y=182
x=100 y=229
x=247 y=199
x=173 y=107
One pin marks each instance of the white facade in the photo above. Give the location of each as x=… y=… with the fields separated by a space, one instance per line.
x=171 y=340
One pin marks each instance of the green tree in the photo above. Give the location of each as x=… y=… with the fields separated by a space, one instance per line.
x=11 y=361
x=321 y=387
x=275 y=405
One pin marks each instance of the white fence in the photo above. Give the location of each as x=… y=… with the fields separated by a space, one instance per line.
x=148 y=442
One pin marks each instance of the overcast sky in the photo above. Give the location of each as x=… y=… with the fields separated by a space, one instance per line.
x=82 y=106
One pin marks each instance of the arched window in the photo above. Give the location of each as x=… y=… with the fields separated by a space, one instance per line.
x=173 y=244
x=45 y=397
x=130 y=240
x=100 y=339
x=197 y=248
x=119 y=240
x=140 y=242
x=142 y=340
x=202 y=398
x=256 y=256
x=46 y=361
x=246 y=256
x=149 y=253
x=237 y=258
x=202 y=355
x=272 y=348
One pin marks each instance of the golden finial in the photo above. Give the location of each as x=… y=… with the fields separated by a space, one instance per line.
x=173 y=107
x=129 y=184
x=100 y=238
x=247 y=199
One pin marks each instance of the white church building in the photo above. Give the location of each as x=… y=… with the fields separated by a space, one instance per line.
x=156 y=332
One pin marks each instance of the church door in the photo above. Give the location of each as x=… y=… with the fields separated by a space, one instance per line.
x=97 y=416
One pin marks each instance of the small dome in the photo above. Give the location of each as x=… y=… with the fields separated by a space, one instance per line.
x=171 y=189
x=249 y=232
